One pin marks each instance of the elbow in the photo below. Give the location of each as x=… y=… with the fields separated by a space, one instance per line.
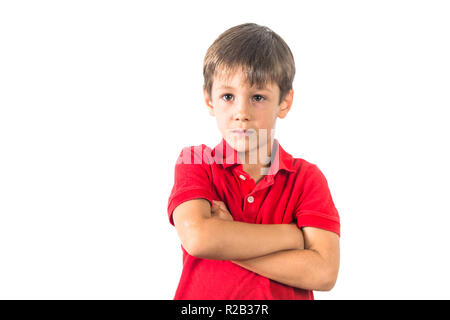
x=195 y=247
x=327 y=285
x=327 y=281
x=195 y=243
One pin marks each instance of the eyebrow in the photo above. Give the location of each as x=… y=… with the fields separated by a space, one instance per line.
x=228 y=87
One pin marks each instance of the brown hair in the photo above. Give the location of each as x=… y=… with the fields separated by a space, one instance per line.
x=261 y=53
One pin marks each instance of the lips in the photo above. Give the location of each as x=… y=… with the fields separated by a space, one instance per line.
x=243 y=132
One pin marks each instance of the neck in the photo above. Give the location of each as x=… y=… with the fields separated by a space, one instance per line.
x=257 y=161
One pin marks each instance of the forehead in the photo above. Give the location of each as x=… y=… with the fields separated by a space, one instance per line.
x=234 y=79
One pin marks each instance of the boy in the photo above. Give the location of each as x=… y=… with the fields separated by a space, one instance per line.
x=254 y=222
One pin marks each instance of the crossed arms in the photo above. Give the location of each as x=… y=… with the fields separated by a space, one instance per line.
x=307 y=259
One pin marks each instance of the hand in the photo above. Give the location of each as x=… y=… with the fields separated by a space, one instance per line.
x=219 y=210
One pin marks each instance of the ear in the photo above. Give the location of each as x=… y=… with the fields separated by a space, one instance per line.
x=208 y=101
x=286 y=104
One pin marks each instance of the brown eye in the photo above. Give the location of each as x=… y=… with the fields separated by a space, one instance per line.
x=260 y=97
x=227 y=95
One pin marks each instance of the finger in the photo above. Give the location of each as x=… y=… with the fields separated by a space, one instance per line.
x=221 y=204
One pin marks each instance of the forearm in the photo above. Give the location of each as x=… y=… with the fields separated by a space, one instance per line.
x=233 y=240
x=304 y=269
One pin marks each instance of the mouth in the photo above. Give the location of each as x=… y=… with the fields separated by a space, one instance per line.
x=242 y=132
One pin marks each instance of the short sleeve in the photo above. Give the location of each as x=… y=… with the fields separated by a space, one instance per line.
x=192 y=178
x=315 y=207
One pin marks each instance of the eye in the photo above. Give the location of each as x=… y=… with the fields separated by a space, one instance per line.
x=260 y=97
x=226 y=95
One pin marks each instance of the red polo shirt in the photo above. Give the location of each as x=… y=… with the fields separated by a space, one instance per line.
x=293 y=190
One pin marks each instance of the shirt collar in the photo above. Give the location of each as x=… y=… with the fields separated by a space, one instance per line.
x=227 y=156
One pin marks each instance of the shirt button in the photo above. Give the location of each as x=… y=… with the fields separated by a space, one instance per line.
x=242 y=177
x=250 y=199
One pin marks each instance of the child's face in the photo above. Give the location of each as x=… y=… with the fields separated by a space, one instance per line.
x=238 y=106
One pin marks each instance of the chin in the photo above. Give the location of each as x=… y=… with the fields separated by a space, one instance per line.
x=241 y=144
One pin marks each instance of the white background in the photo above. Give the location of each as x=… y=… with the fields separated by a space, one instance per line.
x=97 y=99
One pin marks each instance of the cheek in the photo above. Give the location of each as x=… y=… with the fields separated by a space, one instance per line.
x=268 y=119
x=221 y=115
x=221 y=120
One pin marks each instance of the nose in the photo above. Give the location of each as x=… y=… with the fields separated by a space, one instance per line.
x=242 y=110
